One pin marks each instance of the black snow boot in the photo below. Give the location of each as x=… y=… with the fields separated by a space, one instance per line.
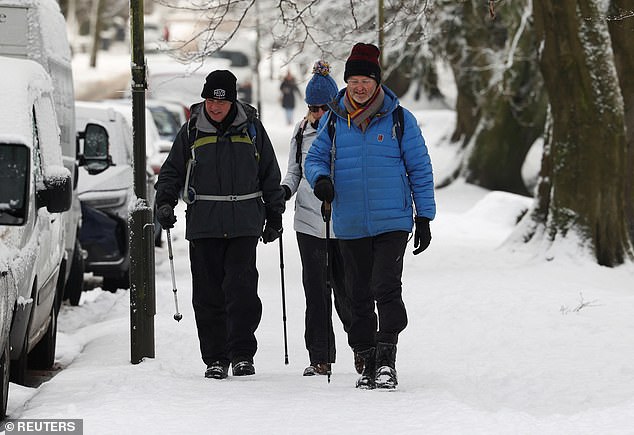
x=366 y=381
x=386 y=366
x=217 y=370
x=358 y=363
x=243 y=368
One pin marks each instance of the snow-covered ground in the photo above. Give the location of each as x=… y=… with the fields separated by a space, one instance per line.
x=498 y=342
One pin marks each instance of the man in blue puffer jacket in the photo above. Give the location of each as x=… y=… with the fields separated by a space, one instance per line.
x=373 y=182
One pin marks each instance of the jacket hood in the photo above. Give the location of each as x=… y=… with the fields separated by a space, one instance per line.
x=245 y=114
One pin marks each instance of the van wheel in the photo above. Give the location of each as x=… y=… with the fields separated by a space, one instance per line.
x=18 y=367
x=75 y=283
x=5 y=364
x=43 y=354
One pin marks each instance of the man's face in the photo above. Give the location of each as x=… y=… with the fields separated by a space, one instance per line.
x=361 y=88
x=217 y=109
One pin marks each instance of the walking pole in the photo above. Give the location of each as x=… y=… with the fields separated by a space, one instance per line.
x=283 y=300
x=178 y=316
x=325 y=213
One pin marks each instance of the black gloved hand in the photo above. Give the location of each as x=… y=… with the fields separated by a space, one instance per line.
x=287 y=192
x=422 y=235
x=273 y=227
x=324 y=190
x=165 y=216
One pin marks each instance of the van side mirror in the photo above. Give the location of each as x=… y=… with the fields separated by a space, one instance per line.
x=15 y=167
x=57 y=195
x=96 y=150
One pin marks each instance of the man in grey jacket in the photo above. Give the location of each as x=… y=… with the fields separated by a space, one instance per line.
x=223 y=161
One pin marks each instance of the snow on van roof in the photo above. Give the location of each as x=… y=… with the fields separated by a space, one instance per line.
x=44 y=18
x=22 y=82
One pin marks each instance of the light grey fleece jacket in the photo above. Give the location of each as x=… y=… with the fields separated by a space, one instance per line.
x=308 y=219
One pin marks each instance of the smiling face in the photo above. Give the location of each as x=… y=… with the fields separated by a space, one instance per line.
x=217 y=109
x=361 y=88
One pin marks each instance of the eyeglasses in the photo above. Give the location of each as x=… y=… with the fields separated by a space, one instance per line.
x=316 y=109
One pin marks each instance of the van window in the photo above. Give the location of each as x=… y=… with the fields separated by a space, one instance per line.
x=14 y=185
x=48 y=132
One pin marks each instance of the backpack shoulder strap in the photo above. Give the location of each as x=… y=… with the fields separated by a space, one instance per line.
x=299 y=139
x=398 y=124
x=332 y=125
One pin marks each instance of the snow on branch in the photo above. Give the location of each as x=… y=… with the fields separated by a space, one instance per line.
x=582 y=304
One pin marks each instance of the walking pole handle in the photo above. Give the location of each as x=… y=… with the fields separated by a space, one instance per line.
x=326 y=211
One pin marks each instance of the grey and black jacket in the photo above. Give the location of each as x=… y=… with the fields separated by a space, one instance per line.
x=228 y=165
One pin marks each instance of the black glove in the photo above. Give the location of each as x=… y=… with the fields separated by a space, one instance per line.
x=287 y=192
x=273 y=228
x=324 y=190
x=422 y=235
x=165 y=216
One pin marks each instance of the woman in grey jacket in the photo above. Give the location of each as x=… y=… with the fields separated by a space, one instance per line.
x=311 y=233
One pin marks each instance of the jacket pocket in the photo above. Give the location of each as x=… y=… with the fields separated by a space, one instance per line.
x=407 y=192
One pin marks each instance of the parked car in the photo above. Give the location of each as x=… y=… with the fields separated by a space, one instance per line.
x=35 y=190
x=242 y=68
x=168 y=118
x=35 y=29
x=107 y=196
x=169 y=80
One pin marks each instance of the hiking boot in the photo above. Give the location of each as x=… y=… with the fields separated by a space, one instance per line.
x=366 y=381
x=358 y=363
x=317 y=369
x=243 y=368
x=385 y=377
x=217 y=370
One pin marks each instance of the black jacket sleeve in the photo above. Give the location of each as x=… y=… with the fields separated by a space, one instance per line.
x=171 y=179
x=269 y=174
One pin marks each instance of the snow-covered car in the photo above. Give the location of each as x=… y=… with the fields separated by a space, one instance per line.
x=36 y=30
x=169 y=80
x=241 y=67
x=167 y=120
x=35 y=188
x=107 y=196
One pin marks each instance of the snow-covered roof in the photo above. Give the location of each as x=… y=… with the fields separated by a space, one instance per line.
x=22 y=82
x=46 y=30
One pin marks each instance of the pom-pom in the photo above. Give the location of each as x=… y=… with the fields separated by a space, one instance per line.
x=322 y=68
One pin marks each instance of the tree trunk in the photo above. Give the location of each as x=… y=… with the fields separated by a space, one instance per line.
x=621 y=27
x=585 y=179
x=513 y=111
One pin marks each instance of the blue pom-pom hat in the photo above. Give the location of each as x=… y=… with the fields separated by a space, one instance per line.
x=321 y=88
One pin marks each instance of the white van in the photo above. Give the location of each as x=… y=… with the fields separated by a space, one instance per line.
x=36 y=30
x=35 y=188
x=108 y=196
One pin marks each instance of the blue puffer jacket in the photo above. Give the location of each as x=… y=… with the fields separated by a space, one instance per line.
x=374 y=180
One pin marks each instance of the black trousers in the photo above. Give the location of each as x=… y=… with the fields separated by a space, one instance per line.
x=225 y=299
x=374 y=266
x=319 y=333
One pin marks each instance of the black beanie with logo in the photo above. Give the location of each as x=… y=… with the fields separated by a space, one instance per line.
x=220 y=85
